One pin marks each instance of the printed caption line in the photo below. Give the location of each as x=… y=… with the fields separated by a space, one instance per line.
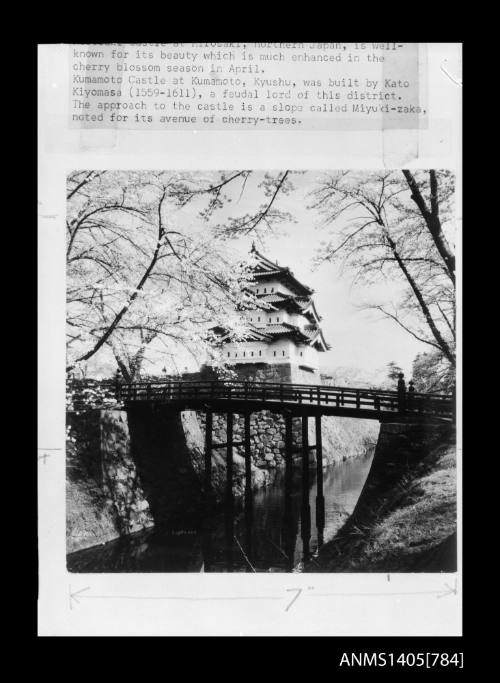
x=76 y=596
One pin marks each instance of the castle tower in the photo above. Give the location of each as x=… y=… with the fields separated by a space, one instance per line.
x=285 y=339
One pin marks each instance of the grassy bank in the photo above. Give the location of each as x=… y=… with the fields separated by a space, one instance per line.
x=411 y=526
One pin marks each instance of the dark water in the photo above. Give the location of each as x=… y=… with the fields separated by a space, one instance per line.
x=274 y=532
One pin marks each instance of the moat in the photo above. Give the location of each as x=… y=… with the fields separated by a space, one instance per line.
x=273 y=534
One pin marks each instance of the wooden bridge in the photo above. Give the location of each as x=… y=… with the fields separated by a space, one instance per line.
x=300 y=399
x=291 y=400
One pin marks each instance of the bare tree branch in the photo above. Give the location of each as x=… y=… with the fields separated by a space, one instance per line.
x=432 y=220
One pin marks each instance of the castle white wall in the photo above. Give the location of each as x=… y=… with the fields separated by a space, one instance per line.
x=280 y=351
x=266 y=317
x=299 y=320
x=307 y=355
x=271 y=287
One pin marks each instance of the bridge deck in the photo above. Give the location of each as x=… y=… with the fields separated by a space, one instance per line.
x=300 y=399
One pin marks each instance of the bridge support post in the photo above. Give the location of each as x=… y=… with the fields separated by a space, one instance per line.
x=305 y=518
x=288 y=450
x=229 y=509
x=305 y=461
x=305 y=532
x=288 y=466
x=229 y=458
x=248 y=461
x=208 y=451
x=229 y=535
x=289 y=533
x=320 y=499
x=249 y=528
x=319 y=456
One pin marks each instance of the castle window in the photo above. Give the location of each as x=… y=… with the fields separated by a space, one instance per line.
x=251 y=354
x=301 y=353
x=277 y=320
x=258 y=319
x=265 y=290
x=244 y=354
x=283 y=353
x=236 y=355
x=270 y=319
x=260 y=353
x=275 y=353
x=272 y=289
x=228 y=354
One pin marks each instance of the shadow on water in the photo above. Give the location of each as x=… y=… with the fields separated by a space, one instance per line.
x=274 y=530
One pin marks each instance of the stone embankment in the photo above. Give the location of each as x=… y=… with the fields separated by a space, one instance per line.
x=104 y=498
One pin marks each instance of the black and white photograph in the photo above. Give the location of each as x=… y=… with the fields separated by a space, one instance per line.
x=260 y=371
x=250 y=302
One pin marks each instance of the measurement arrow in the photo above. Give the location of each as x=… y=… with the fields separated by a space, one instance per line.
x=449 y=591
x=437 y=593
x=73 y=596
x=76 y=596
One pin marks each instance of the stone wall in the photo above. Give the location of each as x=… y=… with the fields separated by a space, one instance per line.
x=104 y=496
x=342 y=437
x=267 y=436
x=286 y=373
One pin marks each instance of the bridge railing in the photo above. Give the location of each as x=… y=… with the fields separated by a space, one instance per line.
x=347 y=397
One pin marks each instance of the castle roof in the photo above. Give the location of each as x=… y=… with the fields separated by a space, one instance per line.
x=311 y=335
x=300 y=301
x=316 y=338
x=300 y=304
x=265 y=269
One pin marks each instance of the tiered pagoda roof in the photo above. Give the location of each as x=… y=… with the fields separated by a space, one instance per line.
x=291 y=303
x=298 y=302
x=266 y=269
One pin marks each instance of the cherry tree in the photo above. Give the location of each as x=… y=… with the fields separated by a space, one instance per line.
x=391 y=228
x=150 y=270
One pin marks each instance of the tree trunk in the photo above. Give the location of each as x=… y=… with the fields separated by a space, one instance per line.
x=443 y=345
x=136 y=364
x=123 y=367
x=112 y=327
x=432 y=219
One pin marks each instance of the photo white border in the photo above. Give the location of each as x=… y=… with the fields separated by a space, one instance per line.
x=220 y=604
